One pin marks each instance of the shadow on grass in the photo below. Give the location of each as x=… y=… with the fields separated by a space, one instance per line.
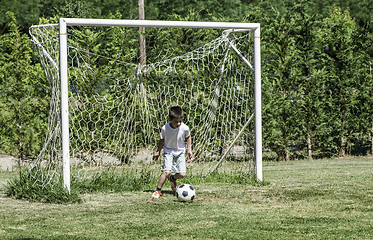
x=168 y=192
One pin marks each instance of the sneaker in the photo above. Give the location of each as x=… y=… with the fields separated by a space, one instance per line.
x=157 y=194
x=173 y=184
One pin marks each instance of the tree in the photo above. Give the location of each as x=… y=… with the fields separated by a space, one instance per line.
x=27 y=11
x=309 y=83
x=23 y=101
x=281 y=75
x=364 y=108
x=337 y=54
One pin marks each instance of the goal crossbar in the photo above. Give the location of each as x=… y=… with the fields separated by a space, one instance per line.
x=153 y=23
x=64 y=22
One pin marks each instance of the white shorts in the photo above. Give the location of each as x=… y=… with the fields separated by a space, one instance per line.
x=174 y=162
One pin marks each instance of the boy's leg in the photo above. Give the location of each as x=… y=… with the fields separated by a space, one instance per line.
x=172 y=182
x=163 y=178
x=173 y=179
x=179 y=175
x=166 y=173
x=179 y=169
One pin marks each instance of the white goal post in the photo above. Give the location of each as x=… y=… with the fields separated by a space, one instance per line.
x=63 y=37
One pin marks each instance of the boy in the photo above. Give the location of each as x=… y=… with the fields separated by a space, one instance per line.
x=174 y=136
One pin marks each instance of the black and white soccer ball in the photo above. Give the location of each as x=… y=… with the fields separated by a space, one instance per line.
x=185 y=193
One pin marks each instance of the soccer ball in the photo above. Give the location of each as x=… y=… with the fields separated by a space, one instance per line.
x=185 y=193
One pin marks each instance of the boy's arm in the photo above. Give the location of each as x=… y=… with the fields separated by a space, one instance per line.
x=159 y=149
x=189 y=144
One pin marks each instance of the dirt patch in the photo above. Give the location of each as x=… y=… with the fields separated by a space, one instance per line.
x=7 y=163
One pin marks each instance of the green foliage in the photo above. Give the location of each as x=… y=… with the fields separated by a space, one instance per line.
x=282 y=75
x=27 y=186
x=79 y=9
x=23 y=91
x=28 y=12
x=317 y=61
x=338 y=57
x=313 y=75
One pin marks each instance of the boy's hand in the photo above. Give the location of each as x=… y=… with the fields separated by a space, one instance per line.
x=191 y=156
x=155 y=156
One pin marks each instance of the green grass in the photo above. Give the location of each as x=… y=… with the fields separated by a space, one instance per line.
x=23 y=186
x=320 y=199
x=30 y=184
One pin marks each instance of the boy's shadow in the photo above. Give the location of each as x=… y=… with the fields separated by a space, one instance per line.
x=168 y=192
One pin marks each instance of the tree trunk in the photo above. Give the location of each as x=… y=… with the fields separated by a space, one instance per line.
x=142 y=50
x=342 y=150
x=371 y=141
x=309 y=146
x=287 y=154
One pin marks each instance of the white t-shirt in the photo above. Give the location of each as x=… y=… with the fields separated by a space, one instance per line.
x=174 y=138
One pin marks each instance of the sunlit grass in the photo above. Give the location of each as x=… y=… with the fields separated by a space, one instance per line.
x=29 y=185
x=320 y=199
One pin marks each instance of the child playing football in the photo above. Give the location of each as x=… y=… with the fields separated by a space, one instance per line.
x=175 y=137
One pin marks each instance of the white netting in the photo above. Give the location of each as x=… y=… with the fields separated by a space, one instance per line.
x=116 y=106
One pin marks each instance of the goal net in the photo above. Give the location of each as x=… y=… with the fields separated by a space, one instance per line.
x=116 y=105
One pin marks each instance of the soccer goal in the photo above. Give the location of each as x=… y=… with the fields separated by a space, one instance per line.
x=106 y=107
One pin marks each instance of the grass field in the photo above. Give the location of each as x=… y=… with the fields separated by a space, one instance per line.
x=319 y=199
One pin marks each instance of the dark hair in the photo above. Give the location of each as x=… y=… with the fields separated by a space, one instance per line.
x=175 y=112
